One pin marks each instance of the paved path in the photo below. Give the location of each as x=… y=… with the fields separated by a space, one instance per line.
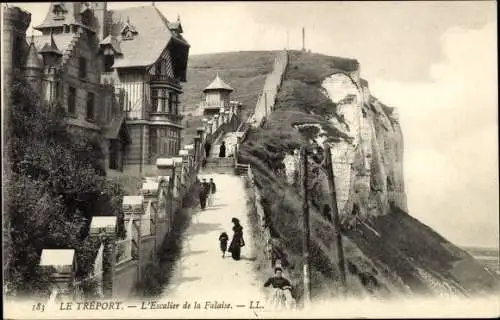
x=201 y=273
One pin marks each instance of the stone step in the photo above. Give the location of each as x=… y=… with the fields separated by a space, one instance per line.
x=220 y=161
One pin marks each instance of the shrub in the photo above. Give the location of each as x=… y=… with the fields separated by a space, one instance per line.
x=153 y=280
x=55 y=183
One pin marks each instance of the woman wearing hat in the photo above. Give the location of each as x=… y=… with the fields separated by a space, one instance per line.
x=237 y=241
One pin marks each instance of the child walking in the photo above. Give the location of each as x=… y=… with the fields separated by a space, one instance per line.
x=223 y=238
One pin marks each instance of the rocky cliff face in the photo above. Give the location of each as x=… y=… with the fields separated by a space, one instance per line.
x=323 y=100
x=367 y=155
x=367 y=161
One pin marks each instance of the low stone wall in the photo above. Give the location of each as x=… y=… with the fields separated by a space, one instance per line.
x=125 y=279
x=262 y=227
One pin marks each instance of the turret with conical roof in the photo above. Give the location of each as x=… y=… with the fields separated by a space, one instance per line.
x=50 y=52
x=33 y=67
x=218 y=85
x=217 y=96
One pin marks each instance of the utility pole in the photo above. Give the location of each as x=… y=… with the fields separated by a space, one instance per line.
x=335 y=218
x=287 y=40
x=265 y=102
x=303 y=39
x=306 y=233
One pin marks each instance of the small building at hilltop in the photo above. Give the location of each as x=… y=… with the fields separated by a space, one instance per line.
x=117 y=73
x=217 y=98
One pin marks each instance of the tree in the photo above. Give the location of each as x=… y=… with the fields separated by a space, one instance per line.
x=55 y=183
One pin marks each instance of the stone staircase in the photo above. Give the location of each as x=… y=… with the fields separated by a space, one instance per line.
x=219 y=165
x=241 y=169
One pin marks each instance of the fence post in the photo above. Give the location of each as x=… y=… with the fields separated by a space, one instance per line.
x=335 y=217
x=63 y=277
x=106 y=227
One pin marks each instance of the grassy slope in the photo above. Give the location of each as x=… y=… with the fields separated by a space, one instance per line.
x=245 y=71
x=380 y=264
x=282 y=203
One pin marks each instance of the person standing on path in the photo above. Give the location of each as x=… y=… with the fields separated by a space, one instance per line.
x=203 y=194
x=237 y=242
x=222 y=150
x=211 y=194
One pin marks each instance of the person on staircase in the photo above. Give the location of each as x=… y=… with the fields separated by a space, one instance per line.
x=237 y=242
x=208 y=148
x=211 y=193
x=222 y=150
x=204 y=194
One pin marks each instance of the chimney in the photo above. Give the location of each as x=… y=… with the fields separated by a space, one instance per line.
x=101 y=14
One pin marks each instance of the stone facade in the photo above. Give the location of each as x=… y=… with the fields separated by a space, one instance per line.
x=15 y=23
x=110 y=72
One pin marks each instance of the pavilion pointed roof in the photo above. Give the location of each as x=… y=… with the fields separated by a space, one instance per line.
x=218 y=84
x=52 y=47
x=32 y=60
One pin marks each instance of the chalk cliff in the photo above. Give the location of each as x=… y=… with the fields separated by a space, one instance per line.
x=323 y=99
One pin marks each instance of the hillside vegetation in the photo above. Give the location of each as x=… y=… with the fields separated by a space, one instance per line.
x=245 y=71
x=387 y=251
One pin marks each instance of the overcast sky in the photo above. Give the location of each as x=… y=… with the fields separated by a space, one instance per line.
x=435 y=61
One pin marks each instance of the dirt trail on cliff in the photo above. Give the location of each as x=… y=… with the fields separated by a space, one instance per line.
x=201 y=274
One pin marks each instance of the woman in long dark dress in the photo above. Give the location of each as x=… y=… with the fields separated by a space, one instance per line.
x=237 y=241
x=222 y=150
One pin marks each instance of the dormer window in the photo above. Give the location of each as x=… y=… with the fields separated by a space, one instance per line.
x=128 y=35
x=59 y=11
x=128 y=32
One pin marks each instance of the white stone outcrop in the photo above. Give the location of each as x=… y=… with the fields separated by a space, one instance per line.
x=367 y=161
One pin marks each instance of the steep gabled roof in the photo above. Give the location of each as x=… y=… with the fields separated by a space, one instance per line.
x=153 y=36
x=61 y=41
x=113 y=42
x=72 y=15
x=113 y=130
x=218 y=84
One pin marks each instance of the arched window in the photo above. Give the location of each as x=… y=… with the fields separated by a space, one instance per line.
x=153 y=144
x=58 y=11
x=90 y=106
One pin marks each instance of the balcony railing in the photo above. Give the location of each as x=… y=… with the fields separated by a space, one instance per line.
x=170 y=116
x=164 y=78
x=213 y=104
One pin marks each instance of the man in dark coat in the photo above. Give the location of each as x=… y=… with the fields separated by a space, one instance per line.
x=222 y=150
x=204 y=194
x=211 y=194
x=208 y=147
